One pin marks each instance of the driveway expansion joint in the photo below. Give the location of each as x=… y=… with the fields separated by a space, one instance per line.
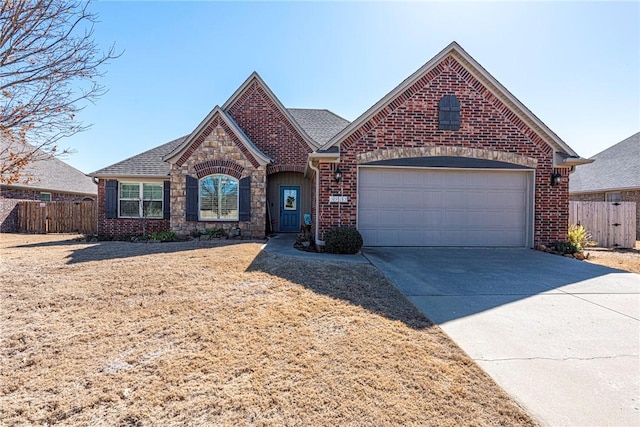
x=558 y=359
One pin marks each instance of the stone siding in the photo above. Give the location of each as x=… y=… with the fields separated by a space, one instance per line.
x=218 y=153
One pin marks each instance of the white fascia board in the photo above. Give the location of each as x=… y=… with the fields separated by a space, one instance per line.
x=255 y=76
x=574 y=161
x=332 y=156
x=189 y=139
x=495 y=87
x=134 y=178
x=261 y=157
x=367 y=115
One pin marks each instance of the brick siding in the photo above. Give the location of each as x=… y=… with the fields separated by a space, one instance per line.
x=409 y=123
x=261 y=119
x=122 y=227
x=406 y=127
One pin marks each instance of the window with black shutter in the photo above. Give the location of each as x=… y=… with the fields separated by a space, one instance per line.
x=111 y=199
x=449 y=113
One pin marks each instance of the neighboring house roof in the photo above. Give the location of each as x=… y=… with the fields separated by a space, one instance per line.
x=567 y=156
x=616 y=168
x=244 y=139
x=320 y=125
x=148 y=164
x=51 y=174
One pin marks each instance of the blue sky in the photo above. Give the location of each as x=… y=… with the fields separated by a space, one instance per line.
x=576 y=65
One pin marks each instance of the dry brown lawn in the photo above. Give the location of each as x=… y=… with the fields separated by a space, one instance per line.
x=208 y=333
x=623 y=259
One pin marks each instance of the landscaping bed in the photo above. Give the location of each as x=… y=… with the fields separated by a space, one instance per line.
x=221 y=333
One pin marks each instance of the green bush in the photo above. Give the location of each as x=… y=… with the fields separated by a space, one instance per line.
x=580 y=237
x=342 y=240
x=215 y=232
x=164 y=236
x=566 y=247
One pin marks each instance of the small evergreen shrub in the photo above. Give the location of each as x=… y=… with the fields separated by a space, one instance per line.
x=164 y=236
x=215 y=233
x=566 y=247
x=342 y=240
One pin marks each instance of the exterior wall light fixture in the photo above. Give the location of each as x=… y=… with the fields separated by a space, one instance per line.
x=338 y=175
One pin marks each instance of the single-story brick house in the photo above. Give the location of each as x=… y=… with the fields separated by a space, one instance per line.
x=447 y=158
x=47 y=179
x=614 y=176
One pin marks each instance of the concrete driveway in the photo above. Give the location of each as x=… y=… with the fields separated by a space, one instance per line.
x=559 y=335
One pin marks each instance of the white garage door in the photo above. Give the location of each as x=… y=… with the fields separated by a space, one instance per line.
x=431 y=207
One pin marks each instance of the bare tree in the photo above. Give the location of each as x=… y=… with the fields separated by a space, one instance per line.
x=50 y=65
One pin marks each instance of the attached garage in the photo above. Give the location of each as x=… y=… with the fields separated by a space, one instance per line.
x=418 y=206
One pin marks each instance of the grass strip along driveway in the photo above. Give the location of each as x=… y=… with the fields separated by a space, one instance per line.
x=202 y=333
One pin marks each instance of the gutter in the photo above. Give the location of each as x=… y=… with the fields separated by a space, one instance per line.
x=317 y=227
x=136 y=177
x=331 y=157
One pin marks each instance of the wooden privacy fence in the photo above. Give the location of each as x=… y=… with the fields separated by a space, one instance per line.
x=57 y=217
x=611 y=224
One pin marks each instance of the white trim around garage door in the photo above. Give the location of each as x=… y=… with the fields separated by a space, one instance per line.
x=524 y=185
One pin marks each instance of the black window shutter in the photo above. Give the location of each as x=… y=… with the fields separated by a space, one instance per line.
x=111 y=199
x=449 y=113
x=192 y=198
x=244 y=207
x=166 y=203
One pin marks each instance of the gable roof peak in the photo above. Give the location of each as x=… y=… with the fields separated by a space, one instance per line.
x=494 y=86
x=255 y=77
x=244 y=139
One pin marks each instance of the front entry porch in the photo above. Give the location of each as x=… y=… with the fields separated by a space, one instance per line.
x=289 y=196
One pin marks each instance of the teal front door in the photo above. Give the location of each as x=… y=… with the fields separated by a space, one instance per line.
x=290 y=208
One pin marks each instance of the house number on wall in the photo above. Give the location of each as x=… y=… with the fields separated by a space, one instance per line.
x=338 y=199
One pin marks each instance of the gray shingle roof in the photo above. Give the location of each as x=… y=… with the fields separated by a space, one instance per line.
x=617 y=167
x=52 y=174
x=320 y=125
x=146 y=164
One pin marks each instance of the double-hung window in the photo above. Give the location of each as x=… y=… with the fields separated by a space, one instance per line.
x=218 y=198
x=140 y=200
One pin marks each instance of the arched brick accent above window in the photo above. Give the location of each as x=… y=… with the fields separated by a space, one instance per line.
x=474 y=153
x=211 y=167
x=271 y=169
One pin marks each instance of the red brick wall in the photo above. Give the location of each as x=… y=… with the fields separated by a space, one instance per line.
x=411 y=120
x=24 y=194
x=120 y=227
x=260 y=118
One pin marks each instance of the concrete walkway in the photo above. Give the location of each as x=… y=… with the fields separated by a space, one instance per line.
x=283 y=244
x=560 y=336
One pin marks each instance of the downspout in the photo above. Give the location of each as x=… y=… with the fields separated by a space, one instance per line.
x=317 y=228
